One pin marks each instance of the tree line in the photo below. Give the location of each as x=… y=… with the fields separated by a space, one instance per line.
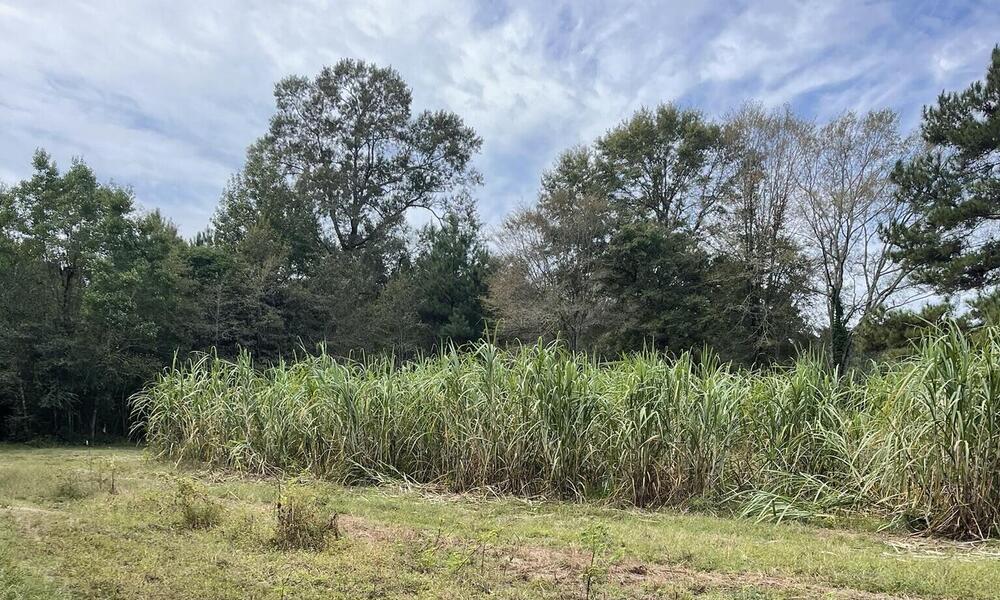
x=754 y=236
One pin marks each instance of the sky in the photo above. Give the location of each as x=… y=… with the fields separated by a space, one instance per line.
x=166 y=96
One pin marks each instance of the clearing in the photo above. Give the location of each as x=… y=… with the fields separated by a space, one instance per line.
x=64 y=534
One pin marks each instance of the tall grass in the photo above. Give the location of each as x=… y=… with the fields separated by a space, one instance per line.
x=918 y=440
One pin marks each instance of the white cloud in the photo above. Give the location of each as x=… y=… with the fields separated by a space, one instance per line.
x=166 y=96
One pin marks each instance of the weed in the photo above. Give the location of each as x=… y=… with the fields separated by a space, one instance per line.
x=604 y=554
x=301 y=524
x=246 y=530
x=197 y=509
x=103 y=473
x=71 y=486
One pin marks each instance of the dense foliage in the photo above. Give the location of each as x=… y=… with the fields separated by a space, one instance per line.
x=92 y=302
x=750 y=237
x=954 y=187
x=919 y=441
x=309 y=246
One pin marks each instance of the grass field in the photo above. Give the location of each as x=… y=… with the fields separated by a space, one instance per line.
x=109 y=523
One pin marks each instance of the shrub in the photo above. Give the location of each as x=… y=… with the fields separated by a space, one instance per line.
x=70 y=486
x=301 y=523
x=197 y=509
x=248 y=531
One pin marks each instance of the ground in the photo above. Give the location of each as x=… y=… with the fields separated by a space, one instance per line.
x=107 y=523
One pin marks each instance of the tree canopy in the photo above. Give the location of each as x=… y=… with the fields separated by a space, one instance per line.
x=752 y=235
x=350 y=144
x=954 y=190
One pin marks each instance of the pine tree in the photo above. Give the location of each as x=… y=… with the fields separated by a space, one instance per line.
x=954 y=189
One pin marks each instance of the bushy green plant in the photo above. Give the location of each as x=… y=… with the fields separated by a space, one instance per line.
x=937 y=446
x=248 y=530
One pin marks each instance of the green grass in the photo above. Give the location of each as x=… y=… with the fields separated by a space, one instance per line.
x=418 y=542
x=917 y=441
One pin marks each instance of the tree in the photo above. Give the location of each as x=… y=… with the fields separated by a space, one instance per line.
x=954 y=189
x=310 y=233
x=351 y=146
x=136 y=315
x=759 y=265
x=892 y=334
x=314 y=223
x=338 y=304
x=450 y=274
x=61 y=225
x=265 y=244
x=667 y=164
x=657 y=283
x=17 y=276
x=258 y=201
x=846 y=203
x=546 y=282
x=93 y=308
x=239 y=295
x=611 y=253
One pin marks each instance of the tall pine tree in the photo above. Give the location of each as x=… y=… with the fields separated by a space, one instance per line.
x=954 y=189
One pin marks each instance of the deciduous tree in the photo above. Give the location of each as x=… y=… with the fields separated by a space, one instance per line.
x=349 y=143
x=760 y=267
x=846 y=203
x=667 y=164
x=546 y=283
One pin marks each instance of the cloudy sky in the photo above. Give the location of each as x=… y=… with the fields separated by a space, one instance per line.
x=166 y=96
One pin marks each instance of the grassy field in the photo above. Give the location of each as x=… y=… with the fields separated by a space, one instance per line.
x=110 y=523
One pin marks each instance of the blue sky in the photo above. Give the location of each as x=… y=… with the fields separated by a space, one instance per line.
x=166 y=96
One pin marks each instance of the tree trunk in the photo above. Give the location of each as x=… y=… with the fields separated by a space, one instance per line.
x=840 y=337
